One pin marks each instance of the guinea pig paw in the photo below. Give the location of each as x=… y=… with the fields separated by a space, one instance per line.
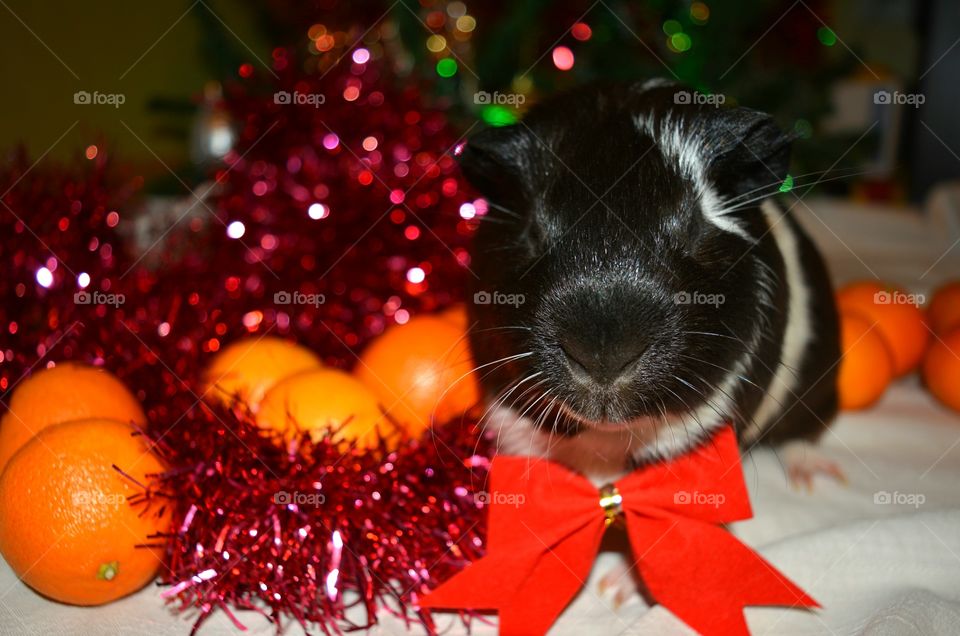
x=803 y=462
x=620 y=582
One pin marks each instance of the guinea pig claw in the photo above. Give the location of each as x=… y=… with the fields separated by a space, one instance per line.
x=803 y=462
x=610 y=579
x=625 y=592
x=619 y=580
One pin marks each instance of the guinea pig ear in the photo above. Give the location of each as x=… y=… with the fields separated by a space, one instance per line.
x=494 y=162
x=748 y=151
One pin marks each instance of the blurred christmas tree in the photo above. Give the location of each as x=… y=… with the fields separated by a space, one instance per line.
x=774 y=56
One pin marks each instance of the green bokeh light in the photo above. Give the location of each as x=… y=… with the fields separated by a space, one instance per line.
x=671 y=27
x=681 y=41
x=826 y=36
x=803 y=128
x=497 y=115
x=447 y=67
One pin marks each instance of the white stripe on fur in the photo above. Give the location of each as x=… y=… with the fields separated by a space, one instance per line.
x=797 y=334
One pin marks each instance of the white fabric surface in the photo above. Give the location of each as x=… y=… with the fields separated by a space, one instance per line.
x=878 y=568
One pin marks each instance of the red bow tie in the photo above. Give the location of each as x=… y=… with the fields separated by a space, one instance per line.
x=546 y=523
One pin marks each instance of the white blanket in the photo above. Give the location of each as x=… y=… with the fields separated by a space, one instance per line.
x=881 y=553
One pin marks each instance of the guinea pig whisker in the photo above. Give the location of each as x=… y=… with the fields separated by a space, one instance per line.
x=530 y=389
x=520 y=383
x=511 y=247
x=503 y=209
x=743 y=348
x=531 y=401
x=738 y=377
x=666 y=424
x=690 y=386
x=722 y=368
x=526 y=407
x=818 y=174
x=543 y=411
x=664 y=421
x=689 y=411
x=503 y=328
x=488 y=372
x=733 y=205
x=779 y=182
x=789 y=367
x=500 y=363
x=708 y=401
x=500 y=401
x=737 y=413
x=710 y=333
x=554 y=429
x=535 y=428
x=492 y=219
x=505 y=393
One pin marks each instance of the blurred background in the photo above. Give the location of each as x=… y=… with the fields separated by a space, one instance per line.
x=869 y=87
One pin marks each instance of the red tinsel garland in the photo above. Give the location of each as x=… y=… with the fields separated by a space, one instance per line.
x=312 y=533
x=378 y=164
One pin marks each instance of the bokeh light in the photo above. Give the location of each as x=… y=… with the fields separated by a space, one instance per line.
x=44 y=277
x=563 y=58
x=680 y=42
x=361 y=56
x=436 y=43
x=826 y=36
x=318 y=211
x=447 y=67
x=416 y=275
x=699 y=12
x=236 y=229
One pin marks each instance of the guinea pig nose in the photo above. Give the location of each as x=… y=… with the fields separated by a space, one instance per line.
x=599 y=363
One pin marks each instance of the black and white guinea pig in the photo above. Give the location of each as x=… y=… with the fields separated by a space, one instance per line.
x=637 y=286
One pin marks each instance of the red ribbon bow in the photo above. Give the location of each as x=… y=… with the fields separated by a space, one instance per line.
x=546 y=523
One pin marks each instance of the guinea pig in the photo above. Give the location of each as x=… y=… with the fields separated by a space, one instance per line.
x=637 y=285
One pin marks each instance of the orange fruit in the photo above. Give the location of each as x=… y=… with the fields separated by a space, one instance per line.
x=421 y=372
x=897 y=317
x=66 y=526
x=941 y=369
x=866 y=368
x=322 y=401
x=68 y=391
x=246 y=369
x=943 y=312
